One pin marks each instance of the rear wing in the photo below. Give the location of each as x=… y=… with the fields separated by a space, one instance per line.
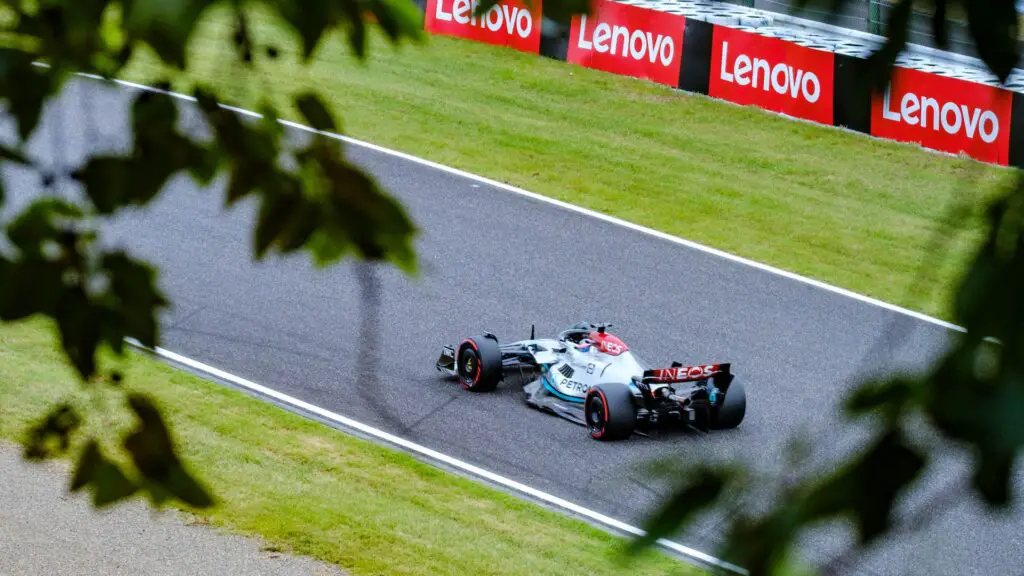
x=679 y=373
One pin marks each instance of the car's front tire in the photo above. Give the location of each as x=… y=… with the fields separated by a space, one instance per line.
x=610 y=412
x=478 y=364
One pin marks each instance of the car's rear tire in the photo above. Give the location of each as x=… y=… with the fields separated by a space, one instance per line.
x=478 y=364
x=610 y=412
x=733 y=408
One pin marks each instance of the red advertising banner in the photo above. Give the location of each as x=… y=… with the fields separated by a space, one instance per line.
x=508 y=23
x=771 y=73
x=946 y=114
x=628 y=40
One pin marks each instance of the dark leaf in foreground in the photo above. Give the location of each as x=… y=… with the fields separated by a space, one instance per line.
x=763 y=545
x=12 y=155
x=25 y=88
x=159 y=151
x=85 y=469
x=879 y=64
x=136 y=300
x=888 y=467
x=60 y=273
x=166 y=25
x=994 y=26
x=699 y=492
x=315 y=112
x=33 y=281
x=56 y=426
x=399 y=18
x=986 y=415
x=310 y=19
x=275 y=213
x=361 y=214
x=889 y=396
x=108 y=483
x=153 y=453
x=940 y=28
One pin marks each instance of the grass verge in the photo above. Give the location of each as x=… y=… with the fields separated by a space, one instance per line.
x=835 y=206
x=307 y=488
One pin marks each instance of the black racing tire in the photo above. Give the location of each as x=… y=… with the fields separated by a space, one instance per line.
x=733 y=408
x=478 y=364
x=610 y=412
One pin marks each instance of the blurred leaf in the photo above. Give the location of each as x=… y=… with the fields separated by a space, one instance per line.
x=135 y=300
x=70 y=30
x=315 y=112
x=85 y=468
x=94 y=297
x=986 y=415
x=879 y=65
x=153 y=453
x=81 y=330
x=166 y=25
x=889 y=396
x=357 y=37
x=93 y=470
x=995 y=29
x=42 y=220
x=44 y=243
x=28 y=288
x=24 y=88
x=310 y=19
x=563 y=12
x=250 y=150
x=243 y=38
x=697 y=493
x=274 y=215
x=939 y=26
x=864 y=488
x=399 y=18
x=11 y=155
x=483 y=6
x=110 y=484
x=361 y=214
x=159 y=151
x=299 y=227
x=887 y=467
x=56 y=426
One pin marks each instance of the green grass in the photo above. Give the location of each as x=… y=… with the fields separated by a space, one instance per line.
x=308 y=488
x=832 y=205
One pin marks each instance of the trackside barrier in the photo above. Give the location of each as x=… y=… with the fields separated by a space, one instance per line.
x=747 y=60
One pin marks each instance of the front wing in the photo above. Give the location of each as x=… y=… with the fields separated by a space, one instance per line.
x=446 y=362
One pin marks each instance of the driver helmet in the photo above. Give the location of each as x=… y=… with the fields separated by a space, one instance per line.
x=585 y=345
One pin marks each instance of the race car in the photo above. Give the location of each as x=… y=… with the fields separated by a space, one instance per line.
x=589 y=376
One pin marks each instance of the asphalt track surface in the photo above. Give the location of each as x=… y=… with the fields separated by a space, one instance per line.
x=497 y=261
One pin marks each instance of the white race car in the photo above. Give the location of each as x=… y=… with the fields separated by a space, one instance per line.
x=591 y=377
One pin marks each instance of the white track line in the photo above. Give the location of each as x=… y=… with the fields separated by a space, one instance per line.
x=433 y=454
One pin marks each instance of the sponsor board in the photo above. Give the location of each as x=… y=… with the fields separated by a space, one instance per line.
x=771 y=73
x=947 y=114
x=508 y=23
x=628 y=40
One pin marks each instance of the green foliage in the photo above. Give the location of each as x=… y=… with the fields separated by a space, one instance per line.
x=320 y=202
x=972 y=397
x=993 y=25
